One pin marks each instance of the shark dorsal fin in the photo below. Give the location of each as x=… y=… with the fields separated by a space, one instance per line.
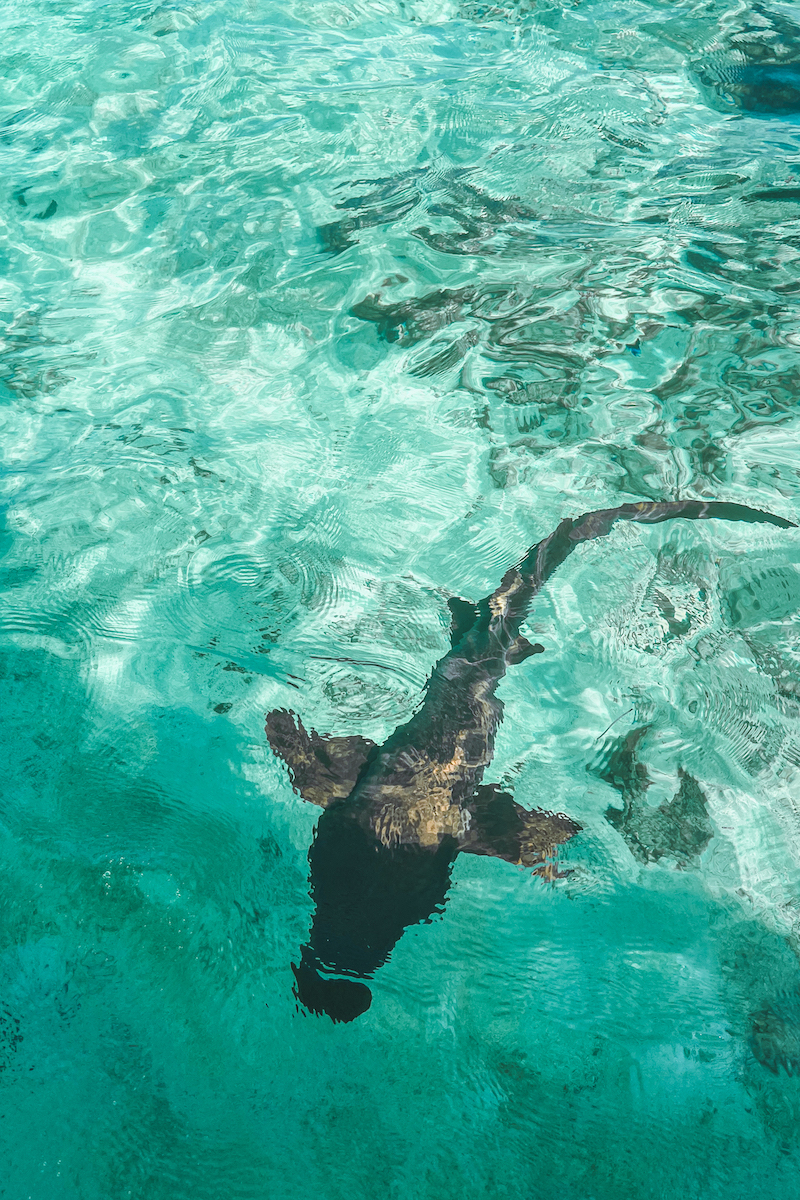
x=520 y=649
x=463 y=615
x=322 y=769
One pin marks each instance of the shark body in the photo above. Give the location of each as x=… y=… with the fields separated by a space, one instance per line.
x=396 y=816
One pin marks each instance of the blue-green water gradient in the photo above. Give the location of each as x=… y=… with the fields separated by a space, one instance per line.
x=315 y=314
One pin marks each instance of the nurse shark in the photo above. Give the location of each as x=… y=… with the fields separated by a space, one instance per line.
x=396 y=816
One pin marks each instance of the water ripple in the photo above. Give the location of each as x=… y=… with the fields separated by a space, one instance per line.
x=313 y=316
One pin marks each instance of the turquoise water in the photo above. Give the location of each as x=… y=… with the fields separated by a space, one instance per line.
x=316 y=314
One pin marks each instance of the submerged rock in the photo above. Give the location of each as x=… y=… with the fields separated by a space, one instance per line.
x=765 y=88
x=775 y=1034
x=758 y=66
x=678 y=829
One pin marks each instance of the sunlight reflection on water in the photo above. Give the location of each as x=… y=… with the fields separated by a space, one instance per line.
x=315 y=315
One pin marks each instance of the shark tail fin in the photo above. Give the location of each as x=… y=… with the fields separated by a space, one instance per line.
x=542 y=559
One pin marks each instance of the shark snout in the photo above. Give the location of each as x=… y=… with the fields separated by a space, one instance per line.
x=341 y=999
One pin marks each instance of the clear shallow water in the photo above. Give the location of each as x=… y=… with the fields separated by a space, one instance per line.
x=314 y=315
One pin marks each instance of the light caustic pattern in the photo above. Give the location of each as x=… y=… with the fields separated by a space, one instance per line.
x=315 y=314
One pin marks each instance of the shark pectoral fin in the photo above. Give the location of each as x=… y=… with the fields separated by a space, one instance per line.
x=501 y=827
x=463 y=616
x=322 y=769
x=521 y=649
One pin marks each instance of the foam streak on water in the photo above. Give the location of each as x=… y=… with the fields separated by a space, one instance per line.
x=315 y=314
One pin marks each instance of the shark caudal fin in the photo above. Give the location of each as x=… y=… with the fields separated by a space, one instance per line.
x=533 y=571
x=543 y=558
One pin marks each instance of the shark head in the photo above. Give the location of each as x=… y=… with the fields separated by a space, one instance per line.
x=365 y=896
x=341 y=999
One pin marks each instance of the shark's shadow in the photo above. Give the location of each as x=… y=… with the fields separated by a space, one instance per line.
x=396 y=816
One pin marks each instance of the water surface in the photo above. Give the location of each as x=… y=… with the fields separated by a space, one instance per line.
x=315 y=314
